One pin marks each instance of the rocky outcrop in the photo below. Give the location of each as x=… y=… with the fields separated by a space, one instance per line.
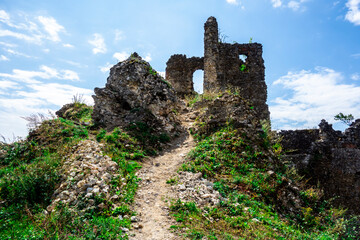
x=225 y=109
x=328 y=157
x=135 y=92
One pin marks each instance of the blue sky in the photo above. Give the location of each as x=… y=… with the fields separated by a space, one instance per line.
x=52 y=50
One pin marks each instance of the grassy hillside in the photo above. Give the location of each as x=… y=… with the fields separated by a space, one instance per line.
x=257 y=201
x=30 y=171
x=261 y=197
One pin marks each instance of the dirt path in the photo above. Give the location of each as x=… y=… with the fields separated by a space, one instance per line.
x=150 y=201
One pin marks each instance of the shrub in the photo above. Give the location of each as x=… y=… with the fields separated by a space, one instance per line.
x=31 y=184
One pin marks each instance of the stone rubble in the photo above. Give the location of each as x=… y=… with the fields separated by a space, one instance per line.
x=87 y=173
x=192 y=187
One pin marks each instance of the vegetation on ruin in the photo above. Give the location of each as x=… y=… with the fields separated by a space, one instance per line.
x=346 y=119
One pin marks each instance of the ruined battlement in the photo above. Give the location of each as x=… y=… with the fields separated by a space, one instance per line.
x=328 y=157
x=227 y=67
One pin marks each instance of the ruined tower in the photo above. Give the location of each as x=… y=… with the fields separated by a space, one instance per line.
x=227 y=67
x=211 y=55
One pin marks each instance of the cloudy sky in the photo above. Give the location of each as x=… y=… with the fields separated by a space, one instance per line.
x=52 y=50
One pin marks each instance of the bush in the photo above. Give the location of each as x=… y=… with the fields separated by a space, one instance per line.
x=31 y=184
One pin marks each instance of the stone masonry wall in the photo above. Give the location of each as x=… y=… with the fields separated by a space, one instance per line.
x=245 y=77
x=331 y=158
x=179 y=72
x=223 y=70
x=211 y=55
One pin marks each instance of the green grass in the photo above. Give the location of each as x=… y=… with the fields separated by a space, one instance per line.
x=192 y=99
x=30 y=171
x=250 y=185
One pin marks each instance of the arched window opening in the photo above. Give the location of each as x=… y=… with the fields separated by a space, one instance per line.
x=242 y=57
x=198 y=80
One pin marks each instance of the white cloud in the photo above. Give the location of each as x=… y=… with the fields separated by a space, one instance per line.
x=99 y=44
x=16 y=53
x=356 y=55
x=234 y=2
x=31 y=95
x=62 y=74
x=121 y=56
x=24 y=28
x=119 y=35
x=294 y=5
x=8 y=84
x=38 y=98
x=30 y=28
x=31 y=77
x=4 y=58
x=355 y=76
x=70 y=75
x=67 y=45
x=353 y=15
x=106 y=68
x=4 y=17
x=316 y=95
x=8 y=44
x=51 y=27
x=76 y=64
x=24 y=76
x=276 y=3
x=49 y=72
x=54 y=93
x=148 y=57
x=7 y=33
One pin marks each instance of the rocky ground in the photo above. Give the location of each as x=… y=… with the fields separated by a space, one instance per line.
x=154 y=195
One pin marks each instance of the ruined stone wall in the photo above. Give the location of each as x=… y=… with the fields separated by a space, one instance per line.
x=211 y=55
x=245 y=77
x=223 y=70
x=179 y=73
x=299 y=142
x=329 y=157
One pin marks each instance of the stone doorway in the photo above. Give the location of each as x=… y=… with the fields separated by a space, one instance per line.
x=198 y=81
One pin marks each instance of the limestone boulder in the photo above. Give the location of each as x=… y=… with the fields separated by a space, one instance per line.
x=135 y=92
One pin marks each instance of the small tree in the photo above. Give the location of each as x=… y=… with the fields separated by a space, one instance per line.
x=347 y=119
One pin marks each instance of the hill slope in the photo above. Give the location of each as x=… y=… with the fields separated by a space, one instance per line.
x=56 y=184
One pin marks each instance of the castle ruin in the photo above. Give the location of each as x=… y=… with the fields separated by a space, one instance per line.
x=233 y=67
